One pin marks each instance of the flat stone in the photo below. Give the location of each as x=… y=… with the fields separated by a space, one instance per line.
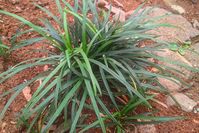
x=175 y=57
x=183 y=32
x=184 y=101
x=192 y=57
x=170 y=85
x=147 y=129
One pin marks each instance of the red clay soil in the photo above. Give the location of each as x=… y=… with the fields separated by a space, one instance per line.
x=25 y=8
x=192 y=10
x=189 y=125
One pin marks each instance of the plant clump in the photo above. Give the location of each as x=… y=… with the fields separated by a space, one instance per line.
x=97 y=59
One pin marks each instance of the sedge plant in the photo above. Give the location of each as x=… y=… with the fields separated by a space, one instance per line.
x=98 y=58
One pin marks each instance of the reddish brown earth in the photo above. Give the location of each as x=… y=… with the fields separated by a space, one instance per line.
x=25 y=8
x=192 y=10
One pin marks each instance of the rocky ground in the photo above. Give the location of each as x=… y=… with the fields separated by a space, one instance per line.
x=186 y=16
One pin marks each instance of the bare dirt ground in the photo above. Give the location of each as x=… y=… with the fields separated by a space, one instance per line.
x=25 y=8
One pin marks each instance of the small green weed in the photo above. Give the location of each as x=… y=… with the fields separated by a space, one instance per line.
x=180 y=48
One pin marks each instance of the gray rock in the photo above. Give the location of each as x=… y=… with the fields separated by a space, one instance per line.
x=192 y=57
x=184 y=101
x=147 y=129
x=184 y=31
x=170 y=85
x=173 y=57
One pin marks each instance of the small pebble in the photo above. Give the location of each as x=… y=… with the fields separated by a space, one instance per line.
x=3 y=125
x=195 y=111
x=13 y=122
x=18 y=9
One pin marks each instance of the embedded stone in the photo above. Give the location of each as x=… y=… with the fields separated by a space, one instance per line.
x=182 y=32
x=184 y=101
x=170 y=85
x=171 y=57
